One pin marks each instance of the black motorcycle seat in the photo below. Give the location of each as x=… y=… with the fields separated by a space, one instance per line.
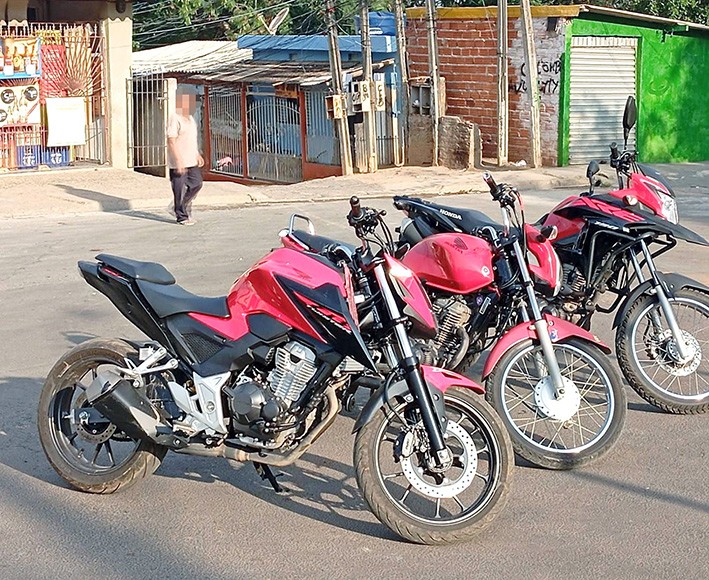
x=148 y=271
x=167 y=300
x=319 y=243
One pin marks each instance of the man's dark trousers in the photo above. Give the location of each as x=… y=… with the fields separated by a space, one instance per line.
x=185 y=188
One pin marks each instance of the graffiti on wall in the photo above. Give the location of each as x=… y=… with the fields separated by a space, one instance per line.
x=548 y=73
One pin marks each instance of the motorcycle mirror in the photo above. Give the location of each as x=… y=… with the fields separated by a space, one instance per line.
x=629 y=118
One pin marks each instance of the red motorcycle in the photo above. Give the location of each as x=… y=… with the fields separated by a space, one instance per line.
x=550 y=380
x=259 y=375
x=607 y=244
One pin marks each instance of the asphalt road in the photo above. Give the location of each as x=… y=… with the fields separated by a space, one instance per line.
x=641 y=512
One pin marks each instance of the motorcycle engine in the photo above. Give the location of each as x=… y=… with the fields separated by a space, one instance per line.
x=259 y=402
x=573 y=281
x=452 y=314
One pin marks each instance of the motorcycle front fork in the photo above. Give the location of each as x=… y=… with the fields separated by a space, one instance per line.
x=683 y=349
x=413 y=375
x=541 y=327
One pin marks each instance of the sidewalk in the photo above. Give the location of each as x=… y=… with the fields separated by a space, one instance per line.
x=73 y=191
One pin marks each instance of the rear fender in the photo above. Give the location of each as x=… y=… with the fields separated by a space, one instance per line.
x=559 y=330
x=438 y=381
x=671 y=283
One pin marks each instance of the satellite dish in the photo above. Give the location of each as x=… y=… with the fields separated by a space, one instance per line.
x=278 y=19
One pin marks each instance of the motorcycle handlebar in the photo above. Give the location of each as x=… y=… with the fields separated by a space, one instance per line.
x=355 y=208
x=614 y=150
x=487 y=178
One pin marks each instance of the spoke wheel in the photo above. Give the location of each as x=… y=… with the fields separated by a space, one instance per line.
x=566 y=431
x=649 y=358
x=409 y=495
x=85 y=449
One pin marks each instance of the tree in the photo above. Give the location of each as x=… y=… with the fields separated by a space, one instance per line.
x=163 y=22
x=160 y=22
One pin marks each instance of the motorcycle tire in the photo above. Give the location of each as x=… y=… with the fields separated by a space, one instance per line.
x=535 y=418
x=690 y=394
x=436 y=513
x=75 y=449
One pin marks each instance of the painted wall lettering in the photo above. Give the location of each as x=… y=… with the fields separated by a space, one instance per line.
x=548 y=72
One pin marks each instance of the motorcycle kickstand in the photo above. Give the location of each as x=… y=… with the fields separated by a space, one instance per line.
x=265 y=472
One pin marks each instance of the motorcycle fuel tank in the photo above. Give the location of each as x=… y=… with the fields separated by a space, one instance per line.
x=456 y=263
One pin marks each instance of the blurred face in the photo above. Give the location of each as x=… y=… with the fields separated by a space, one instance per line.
x=185 y=104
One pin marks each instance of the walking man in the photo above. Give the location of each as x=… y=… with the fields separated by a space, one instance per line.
x=183 y=155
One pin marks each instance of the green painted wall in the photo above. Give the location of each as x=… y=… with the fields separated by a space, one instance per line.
x=672 y=90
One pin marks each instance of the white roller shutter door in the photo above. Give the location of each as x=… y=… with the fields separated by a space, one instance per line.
x=602 y=78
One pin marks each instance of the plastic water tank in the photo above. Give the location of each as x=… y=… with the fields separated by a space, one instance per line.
x=380 y=23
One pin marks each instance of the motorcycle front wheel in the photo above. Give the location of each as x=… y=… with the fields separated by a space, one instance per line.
x=561 y=432
x=649 y=359
x=93 y=457
x=414 y=499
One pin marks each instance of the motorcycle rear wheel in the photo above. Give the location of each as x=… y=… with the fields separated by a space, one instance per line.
x=94 y=458
x=647 y=360
x=426 y=507
x=575 y=430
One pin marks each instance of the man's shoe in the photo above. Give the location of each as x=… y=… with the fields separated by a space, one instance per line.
x=185 y=223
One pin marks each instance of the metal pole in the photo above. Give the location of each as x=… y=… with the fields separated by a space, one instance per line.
x=343 y=131
x=370 y=134
x=502 y=84
x=433 y=71
x=403 y=70
x=530 y=60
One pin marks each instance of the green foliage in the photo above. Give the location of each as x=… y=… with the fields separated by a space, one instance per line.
x=160 y=22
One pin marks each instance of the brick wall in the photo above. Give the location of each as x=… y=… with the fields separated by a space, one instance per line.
x=467 y=52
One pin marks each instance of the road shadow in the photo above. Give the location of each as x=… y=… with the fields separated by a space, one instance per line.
x=318 y=488
x=108 y=203
x=645 y=408
x=645 y=492
x=77 y=337
x=113 y=204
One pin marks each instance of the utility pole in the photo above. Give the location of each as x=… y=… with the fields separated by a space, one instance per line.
x=433 y=70
x=370 y=132
x=502 y=84
x=530 y=60
x=343 y=131
x=402 y=64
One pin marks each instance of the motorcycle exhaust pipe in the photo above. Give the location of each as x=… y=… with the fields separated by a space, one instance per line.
x=130 y=410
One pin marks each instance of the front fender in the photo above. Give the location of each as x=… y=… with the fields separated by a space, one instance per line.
x=671 y=283
x=438 y=381
x=559 y=331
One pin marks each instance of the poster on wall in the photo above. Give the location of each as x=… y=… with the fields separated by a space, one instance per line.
x=66 y=120
x=20 y=58
x=19 y=105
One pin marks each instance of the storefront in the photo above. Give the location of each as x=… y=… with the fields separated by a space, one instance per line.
x=52 y=96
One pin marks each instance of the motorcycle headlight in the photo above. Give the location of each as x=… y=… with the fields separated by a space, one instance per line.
x=669 y=207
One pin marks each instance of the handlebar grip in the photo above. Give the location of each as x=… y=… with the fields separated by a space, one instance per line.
x=487 y=178
x=355 y=207
x=614 y=150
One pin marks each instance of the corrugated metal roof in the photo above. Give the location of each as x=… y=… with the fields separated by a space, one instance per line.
x=643 y=17
x=193 y=56
x=280 y=73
